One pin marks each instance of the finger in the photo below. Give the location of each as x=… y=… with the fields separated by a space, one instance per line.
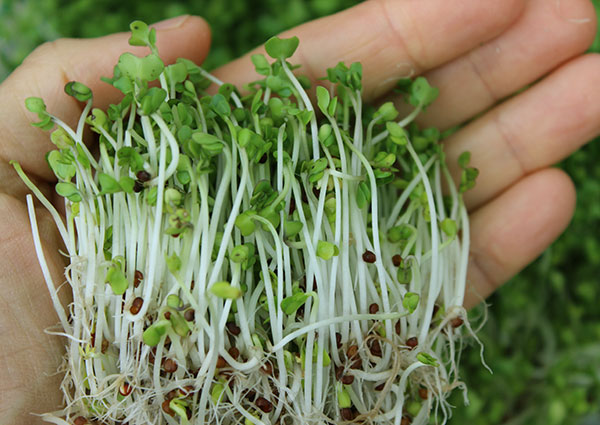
x=11 y=184
x=547 y=34
x=45 y=72
x=513 y=229
x=533 y=130
x=391 y=38
x=30 y=356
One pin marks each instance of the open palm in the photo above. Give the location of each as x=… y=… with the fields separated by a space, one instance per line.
x=477 y=53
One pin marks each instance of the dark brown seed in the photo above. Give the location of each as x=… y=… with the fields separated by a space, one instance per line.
x=138 y=276
x=412 y=342
x=264 y=404
x=397 y=260
x=267 y=369
x=263 y=159
x=136 y=305
x=234 y=352
x=167 y=409
x=189 y=315
x=406 y=420
x=143 y=176
x=375 y=347
x=104 y=346
x=80 y=420
x=138 y=186
x=192 y=284
x=186 y=391
x=423 y=393
x=338 y=340
x=168 y=315
x=221 y=362
x=339 y=372
x=347 y=379
x=373 y=308
x=125 y=389
x=171 y=395
x=380 y=387
x=347 y=414
x=369 y=257
x=233 y=328
x=456 y=322
x=170 y=365
x=398 y=328
x=352 y=351
x=251 y=395
x=357 y=364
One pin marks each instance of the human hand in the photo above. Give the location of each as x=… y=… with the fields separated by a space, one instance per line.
x=474 y=52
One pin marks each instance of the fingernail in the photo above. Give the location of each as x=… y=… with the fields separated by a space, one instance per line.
x=169 y=24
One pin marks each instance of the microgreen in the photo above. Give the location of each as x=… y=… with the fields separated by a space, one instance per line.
x=421 y=93
x=117 y=280
x=427 y=359
x=279 y=48
x=69 y=191
x=292 y=303
x=235 y=242
x=78 y=90
x=37 y=105
x=225 y=290
x=155 y=332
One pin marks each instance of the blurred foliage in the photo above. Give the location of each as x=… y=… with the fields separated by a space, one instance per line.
x=542 y=334
x=237 y=25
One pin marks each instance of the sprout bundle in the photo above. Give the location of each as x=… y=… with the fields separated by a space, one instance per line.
x=255 y=259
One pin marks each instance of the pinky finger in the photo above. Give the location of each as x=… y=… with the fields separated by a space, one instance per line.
x=514 y=228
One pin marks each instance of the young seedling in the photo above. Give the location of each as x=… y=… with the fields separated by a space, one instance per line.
x=225 y=242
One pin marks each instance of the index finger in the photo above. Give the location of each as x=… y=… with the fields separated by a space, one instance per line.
x=391 y=38
x=45 y=72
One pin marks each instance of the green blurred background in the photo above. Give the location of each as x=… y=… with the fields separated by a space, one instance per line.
x=542 y=335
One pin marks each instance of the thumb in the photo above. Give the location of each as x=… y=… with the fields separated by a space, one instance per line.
x=45 y=72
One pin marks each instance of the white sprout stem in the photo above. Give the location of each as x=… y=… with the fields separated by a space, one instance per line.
x=173 y=144
x=334 y=320
x=82 y=118
x=307 y=105
x=156 y=233
x=406 y=193
x=44 y=265
x=434 y=281
x=48 y=205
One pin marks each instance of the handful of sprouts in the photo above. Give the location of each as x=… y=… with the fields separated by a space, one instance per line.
x=257 y=258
